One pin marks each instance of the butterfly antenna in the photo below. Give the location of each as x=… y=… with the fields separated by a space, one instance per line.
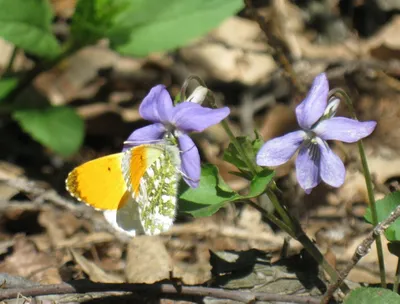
x=183 y=151
x=141 y=142
x=187 y=177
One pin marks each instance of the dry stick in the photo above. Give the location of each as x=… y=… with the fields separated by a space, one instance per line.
x=361 y=251
x=42 y=195
x=84 y=286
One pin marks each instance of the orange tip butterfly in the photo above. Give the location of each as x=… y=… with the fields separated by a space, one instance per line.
x=137 y=189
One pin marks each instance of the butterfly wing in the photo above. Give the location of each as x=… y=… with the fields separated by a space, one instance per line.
x=126 y=219
x=99 y=183
x=156 y=190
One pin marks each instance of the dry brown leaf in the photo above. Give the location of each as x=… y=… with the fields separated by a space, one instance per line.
x=20 y=62
x=26 y=261
x=94 y=272
x=147 y=260
x=232 y=53
x=49 y=220
x=77 y=76
x=9 y=171
x=196 y=268
x=84 y=240
x=192 y=274
x=385 y=44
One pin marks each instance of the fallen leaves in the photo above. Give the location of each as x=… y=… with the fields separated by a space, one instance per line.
x=26 y=261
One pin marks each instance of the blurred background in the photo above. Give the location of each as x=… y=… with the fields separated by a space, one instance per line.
x=73 y=77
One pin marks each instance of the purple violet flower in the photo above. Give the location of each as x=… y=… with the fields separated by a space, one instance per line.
x=176 y=121
x=315 y=160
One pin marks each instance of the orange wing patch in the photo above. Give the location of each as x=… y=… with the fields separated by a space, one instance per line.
x=99 y=183
x=138 y=164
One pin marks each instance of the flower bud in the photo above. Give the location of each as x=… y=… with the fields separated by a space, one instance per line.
x=331 y=108
x=198 y=95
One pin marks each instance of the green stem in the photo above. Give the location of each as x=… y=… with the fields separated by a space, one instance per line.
x=273 y=219
x=295 y=231
x=397 y=277
x=254 y=169
x=11 y=61
x=280 y=209
x=313 y=250
x=250 y=164
x=369 y=185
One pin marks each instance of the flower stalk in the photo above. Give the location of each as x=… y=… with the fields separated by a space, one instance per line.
x=288 y=224
x=11 y=61
x=369 y=185
x=397 y=277
x=250 y=163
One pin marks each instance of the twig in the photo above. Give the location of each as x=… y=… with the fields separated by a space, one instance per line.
x=42 y=195
x=361 y=251
x=84 y=286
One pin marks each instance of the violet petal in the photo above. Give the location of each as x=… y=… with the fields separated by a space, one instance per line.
x=313 y=106
x=189 y=117
x=307 y=167
x=157 y=105
x=332 y=168
x=146 y=135
x=190 y=161
x=344 y=129
x=279 y=150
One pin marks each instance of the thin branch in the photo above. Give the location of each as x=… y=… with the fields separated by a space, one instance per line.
x=41 y=195
x=361 y=251
x=84 y=286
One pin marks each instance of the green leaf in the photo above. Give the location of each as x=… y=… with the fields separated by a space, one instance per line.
x=259 y=183
x=394 y=248
x=384 y=207
x=213 y=193
x=370 y=295
x=208 y=197
x=92 y=19
x=58 y=128
x=27 y=24
x=250 y=146
x=147 y=26
x=6 y=86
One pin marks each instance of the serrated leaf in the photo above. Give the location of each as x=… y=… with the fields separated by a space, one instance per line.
x=384 y=207
x=27 y=24
x=371 y=295
x=6 y=86
x=147 y=26
x=58 y=128
x=250 y=146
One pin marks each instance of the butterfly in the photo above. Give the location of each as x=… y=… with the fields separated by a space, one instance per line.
x=137 y=188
